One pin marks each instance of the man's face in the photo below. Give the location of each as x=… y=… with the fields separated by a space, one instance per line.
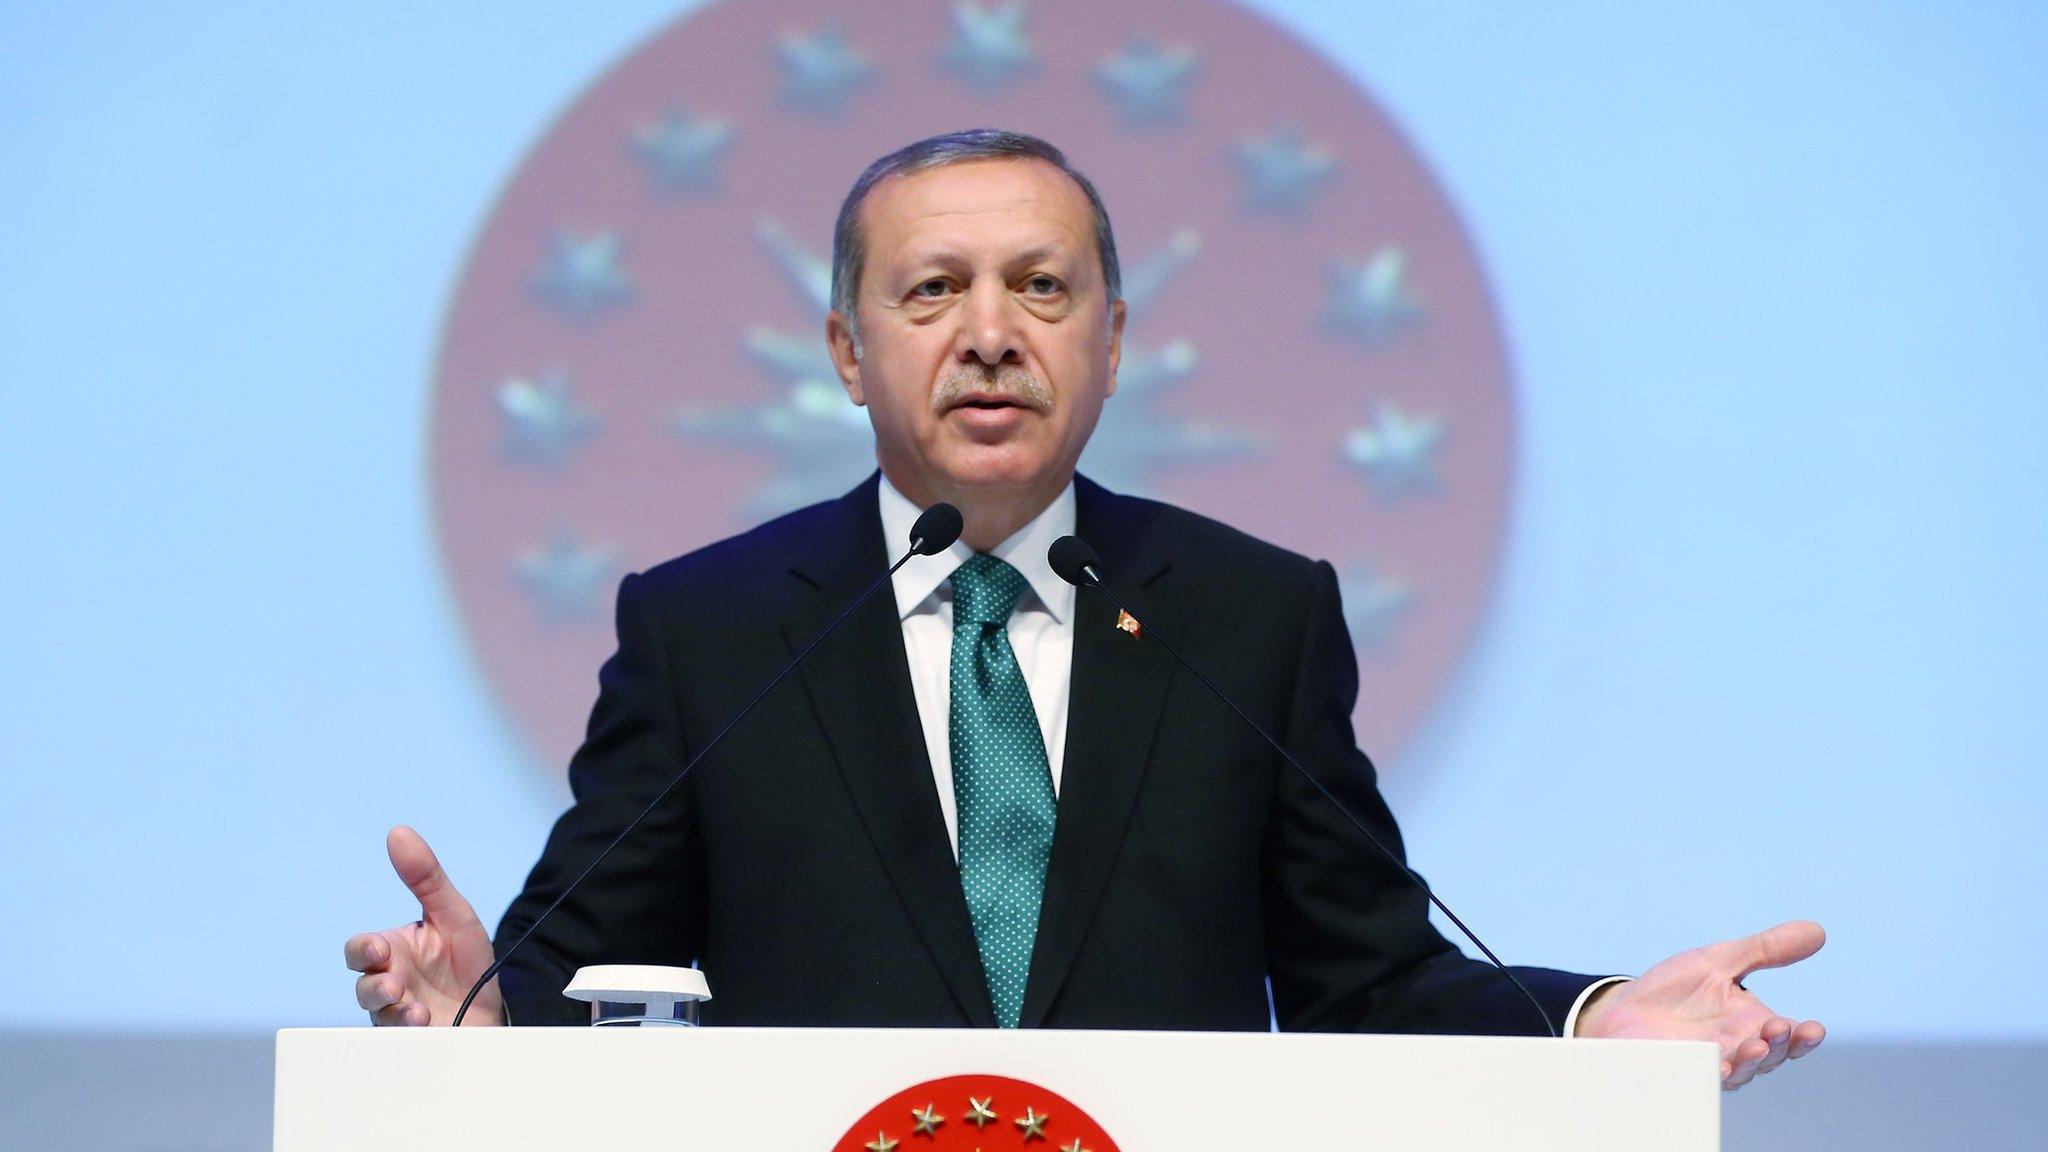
x=987 y=344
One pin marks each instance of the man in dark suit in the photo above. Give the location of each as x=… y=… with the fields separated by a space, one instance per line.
x=988 y=799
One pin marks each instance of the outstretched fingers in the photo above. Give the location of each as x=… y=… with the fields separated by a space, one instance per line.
x=407 y=972
x=1777 y=1041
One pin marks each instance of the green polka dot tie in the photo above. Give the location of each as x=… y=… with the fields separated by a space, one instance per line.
x=1001 y=780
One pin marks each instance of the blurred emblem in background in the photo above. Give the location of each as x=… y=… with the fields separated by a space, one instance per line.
x=633 y=364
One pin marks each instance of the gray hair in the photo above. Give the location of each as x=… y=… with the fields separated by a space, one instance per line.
x=849 y=246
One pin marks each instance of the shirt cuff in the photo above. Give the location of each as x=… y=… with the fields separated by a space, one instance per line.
x=1571 y=1021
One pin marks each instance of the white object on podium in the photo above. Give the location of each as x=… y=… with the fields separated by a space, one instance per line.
x=803 y=1089
x=639 y=994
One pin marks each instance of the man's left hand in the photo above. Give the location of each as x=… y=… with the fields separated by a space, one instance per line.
x=1698 y=995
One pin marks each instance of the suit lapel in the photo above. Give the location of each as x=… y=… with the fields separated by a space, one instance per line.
x=1114 y=702
x=859 y=686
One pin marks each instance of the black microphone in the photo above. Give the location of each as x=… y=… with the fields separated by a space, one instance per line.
x=1076 y=563
x=934 y=532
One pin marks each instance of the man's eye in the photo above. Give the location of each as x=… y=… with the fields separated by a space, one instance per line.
x=931 y=288
x=1042 y=285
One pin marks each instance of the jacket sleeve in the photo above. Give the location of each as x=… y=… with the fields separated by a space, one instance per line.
x=641 y=905
x=1350 y=944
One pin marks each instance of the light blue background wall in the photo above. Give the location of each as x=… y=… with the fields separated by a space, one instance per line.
x=1769 y=640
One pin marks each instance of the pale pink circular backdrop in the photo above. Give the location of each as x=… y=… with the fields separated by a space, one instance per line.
x=540 y=505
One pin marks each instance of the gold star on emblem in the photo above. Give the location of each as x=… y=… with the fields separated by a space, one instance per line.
x=979 y=1113
x=1128 y=623
x=1075 y=1146
x=928 y=1121
x=1032 y=1123
x=882 y=1143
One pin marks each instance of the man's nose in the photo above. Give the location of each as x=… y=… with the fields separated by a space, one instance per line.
x=989 y=328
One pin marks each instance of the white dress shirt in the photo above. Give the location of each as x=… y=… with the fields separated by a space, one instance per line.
x=1041 y=632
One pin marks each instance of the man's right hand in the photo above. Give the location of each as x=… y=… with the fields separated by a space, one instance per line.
x=417 y=974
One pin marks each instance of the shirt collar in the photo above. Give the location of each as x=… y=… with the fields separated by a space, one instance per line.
x=1024 y=550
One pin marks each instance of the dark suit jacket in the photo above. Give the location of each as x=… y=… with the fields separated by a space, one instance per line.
x=806 y=868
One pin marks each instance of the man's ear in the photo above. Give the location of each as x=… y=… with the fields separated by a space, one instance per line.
x=1117 y=312
x=845 y=349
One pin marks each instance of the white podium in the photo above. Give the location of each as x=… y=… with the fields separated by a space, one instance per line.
x=805 y=1090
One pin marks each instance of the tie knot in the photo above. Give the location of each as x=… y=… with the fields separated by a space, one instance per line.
x=985 y=590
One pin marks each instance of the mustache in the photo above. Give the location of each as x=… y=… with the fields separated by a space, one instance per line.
x=1010 y=381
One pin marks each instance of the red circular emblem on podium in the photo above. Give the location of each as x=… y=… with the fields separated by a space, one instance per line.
x=975 y=1113
x=633 y=361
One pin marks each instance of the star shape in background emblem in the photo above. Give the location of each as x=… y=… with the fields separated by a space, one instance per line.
x=820 y=69
x=1370 y=299
x=1032 y=1124
x=979 y=1113
x=1133 y=441
x=582 y=276
x=1146 y=82
x=542 y=420
x=989 y=46
x=1396 y=451
x=882 y=1143
x=1280 y=170
x=928 y=1120
x=566 y=581
x=1372 y=604
x=821 y=442
x=681 y=152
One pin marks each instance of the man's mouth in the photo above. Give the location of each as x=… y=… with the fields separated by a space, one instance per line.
x=988 y=402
